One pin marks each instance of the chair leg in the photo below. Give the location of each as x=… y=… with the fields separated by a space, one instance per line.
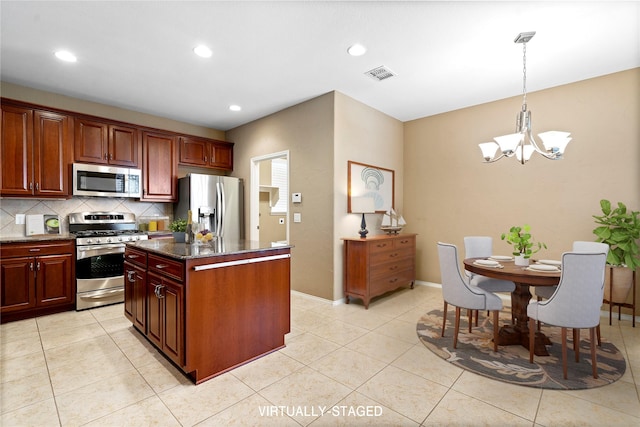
x=470 y=314
x=594 y=366
x=496 y=313
x=576 y=343
x=532 y=339
x=444 y=318
x=564 y=352
x=539 y=299
x=456 y=328
x=598 y=334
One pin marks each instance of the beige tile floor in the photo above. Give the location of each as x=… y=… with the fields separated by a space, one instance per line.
x=92 y=368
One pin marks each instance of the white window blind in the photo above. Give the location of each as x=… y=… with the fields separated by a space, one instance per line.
x=279 y=178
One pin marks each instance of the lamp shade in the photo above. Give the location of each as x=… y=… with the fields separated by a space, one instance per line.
x=362 y=205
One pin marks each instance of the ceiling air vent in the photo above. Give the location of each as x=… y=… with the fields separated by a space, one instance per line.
x=380 y=73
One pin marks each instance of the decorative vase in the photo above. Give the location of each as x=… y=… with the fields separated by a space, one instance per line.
x=522 y=261
x=622 y=283
x=178 y=236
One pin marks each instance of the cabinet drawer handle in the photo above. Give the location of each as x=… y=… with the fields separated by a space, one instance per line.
x=37 y=186
x=381 y=245
x=393 y=255
x=31 y=186
x=161 y=266
x=31 y=266
x=205 y=159
x=110 y=156
x=134 y=256
x=158 y=291
x=34 y=250
x=404 y=241
x=106 y=156
x=38 y=266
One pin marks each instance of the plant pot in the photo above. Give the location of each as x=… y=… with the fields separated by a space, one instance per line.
x=521 y=260
x=622 y=283
x=178 y=236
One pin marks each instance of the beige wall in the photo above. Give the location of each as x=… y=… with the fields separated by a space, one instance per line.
x=48 y=99
x=363 y=135
x=449 y=193
x=306 y=130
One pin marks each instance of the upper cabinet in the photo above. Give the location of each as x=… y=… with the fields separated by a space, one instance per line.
x=107 y=144
x=35 y=152
x=159 y=167
x=207 y=153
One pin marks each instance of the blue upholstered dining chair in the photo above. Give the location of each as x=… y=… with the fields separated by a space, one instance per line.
x=575 y=303
x=457 y=292
x=546 y=291
x=482 y=247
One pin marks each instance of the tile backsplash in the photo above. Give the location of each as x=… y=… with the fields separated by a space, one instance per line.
x=9 y=208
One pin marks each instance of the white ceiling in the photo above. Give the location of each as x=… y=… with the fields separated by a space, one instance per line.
x=271 y=55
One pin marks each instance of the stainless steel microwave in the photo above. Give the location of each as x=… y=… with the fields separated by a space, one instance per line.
x=106 y=181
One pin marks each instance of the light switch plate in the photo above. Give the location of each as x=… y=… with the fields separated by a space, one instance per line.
x=296 y=197
x=297 y=217
x=20 y=219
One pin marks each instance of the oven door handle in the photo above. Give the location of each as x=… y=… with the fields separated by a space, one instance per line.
x=90 y=251
x=102 y=294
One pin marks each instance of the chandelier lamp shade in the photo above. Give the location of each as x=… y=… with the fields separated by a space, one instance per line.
x=522 y=144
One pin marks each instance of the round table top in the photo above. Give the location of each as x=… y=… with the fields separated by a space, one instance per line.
x=514 y=273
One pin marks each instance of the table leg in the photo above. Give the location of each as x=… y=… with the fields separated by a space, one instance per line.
x=518 y=334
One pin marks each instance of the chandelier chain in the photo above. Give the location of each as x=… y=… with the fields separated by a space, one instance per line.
x=524 y=73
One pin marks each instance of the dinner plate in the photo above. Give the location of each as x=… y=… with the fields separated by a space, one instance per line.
x=543 y=267
x=501 y=258
x=487 y=262
x=550 y=262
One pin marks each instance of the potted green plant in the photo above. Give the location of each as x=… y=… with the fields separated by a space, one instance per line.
x=620 y=229
x=523 y=244
x=178 y=228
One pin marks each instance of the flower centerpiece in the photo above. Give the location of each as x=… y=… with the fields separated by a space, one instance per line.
x=523 y=244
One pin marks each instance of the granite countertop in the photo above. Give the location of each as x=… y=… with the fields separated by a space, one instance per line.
x=36 y=238
x=216 y=247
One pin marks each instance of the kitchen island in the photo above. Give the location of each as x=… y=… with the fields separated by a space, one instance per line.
x=209 y=308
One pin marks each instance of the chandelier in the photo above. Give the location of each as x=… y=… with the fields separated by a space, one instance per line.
x=522 y=144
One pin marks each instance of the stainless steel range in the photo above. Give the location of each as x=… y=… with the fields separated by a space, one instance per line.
x=100 y=244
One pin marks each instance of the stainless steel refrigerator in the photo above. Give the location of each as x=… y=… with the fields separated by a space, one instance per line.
x=217 y=202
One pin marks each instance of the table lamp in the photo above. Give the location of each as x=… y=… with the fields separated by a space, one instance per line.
x=363 y=205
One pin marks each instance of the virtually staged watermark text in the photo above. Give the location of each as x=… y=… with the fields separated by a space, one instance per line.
x=319 y=411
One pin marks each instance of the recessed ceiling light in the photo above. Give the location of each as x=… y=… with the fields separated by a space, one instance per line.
x=357 y=50
x=203 y=51
x=65 y=55
x=235 y=107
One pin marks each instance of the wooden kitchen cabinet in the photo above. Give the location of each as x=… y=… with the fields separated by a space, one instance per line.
x=135 y=300
x=159 y=167
x=378 y=264
x=105 y=144
x=37 y=278
x=206 y=153
x=35 y=152
x=165 y=316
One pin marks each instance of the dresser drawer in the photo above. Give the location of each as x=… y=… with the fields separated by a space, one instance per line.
x=380 y=246
x=391 y=268
x=405 y=242
x=166 y=267
x=391 y=255
x=385 y=284
x=135 y=256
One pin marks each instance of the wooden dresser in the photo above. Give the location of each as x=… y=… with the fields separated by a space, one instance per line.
x=378 y=264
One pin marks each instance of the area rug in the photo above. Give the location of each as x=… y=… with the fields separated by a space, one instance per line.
x=511 y=363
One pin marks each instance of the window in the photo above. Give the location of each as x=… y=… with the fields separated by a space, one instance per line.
x=279 y=178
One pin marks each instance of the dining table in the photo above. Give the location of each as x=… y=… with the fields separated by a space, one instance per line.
x=523 y=277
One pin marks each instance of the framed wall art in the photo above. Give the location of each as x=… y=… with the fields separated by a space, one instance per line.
x=371 y=181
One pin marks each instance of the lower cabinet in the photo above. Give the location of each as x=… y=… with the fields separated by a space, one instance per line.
x=36 y=279
x=135 y=301
x=164 y=308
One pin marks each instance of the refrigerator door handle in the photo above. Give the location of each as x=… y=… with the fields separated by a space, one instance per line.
x=220 y=209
